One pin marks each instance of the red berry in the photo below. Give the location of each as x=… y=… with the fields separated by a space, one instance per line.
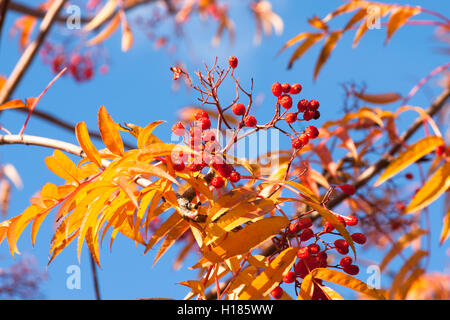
x=309 y=114
x=277 y=90
x=277 y=293
x=297 y=143
x=286 y=87
x=409 y=176
x=178 y=129
x=217 y=182
x=346 y=261
x=250 y=121
x=312 y=132
x=302 y=105
x=314 y=248
x=205 y=123
x=348 y=189
x=342 y=250
x=304 y=139
x=314 y=104
x=235 y=177
x=341 y=220
x=194 y=167
x=285 y=101
x=322 y=256
x=200 y=114
x=293 y=228
x=224 y=169
x=351 y=269
x=289 y=277
x=303 y=253
x=359 y=238
x=290 y=117
x=328 y=227
x=440 y=150
x=351 y=221
x=316 y=115
x=179 y=166
x=305 y=223
x=341 y=243
x=238 y=109
x=296 y=88
x=233 y=61
x=306 y=234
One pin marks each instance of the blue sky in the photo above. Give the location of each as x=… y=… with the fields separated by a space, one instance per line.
x=138 y=89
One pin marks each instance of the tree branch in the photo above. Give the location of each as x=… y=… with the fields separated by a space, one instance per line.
x=3 y=8
x=30 y=52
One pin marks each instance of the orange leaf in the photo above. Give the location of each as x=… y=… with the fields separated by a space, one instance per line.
x=271 y=276
x=106 y=32
x=409 y=156
x=407 y=266
x=110 y=132
x=432 y=189
x=85 y=142
x=398 y=18
x=329 y=45
x=401 y=244
x=310 y=40
x=382 y=98
x=13 y=104
x=127 y=35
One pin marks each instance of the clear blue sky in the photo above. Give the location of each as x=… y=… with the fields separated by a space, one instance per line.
x=138 y=89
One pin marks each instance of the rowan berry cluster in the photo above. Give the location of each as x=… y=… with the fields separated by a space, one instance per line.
x=203 y=140
x=80 y=66
x=313 y=252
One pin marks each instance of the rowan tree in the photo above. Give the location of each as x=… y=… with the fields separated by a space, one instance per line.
x=290 y=224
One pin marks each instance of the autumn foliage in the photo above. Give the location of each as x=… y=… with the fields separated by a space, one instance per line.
x=259 y=230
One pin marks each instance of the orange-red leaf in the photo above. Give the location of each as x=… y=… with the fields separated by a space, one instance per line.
x=109 y=131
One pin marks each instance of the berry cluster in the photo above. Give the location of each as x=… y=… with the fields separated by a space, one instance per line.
x=313 y=252
x=203 y=140
x=80 y=66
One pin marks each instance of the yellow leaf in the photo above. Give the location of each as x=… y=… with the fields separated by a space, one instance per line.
x=244 y=240
x=165 y=228
x=398 y=18
x=433 y=188
x=329 y=45
x=86 y=144
x=229 y=200
x=264 y=283
x=404 y=289
x=310 y=40
x=242 y=213
x=346 y=280
x=364 y=113
x=109 y=131
x=146 y=137
x=106 y=32
x=401 y=244
x=303 y=189
x=330 y=293
x=306 y=289
x=382 y=98
x=172 y=236
x=62 y=166
x=196 y=286
x=104 y=14
x=409 y=156
x=409 y=264
x=331 y=218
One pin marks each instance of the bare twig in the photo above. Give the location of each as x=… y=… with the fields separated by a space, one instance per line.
x=3 y=8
